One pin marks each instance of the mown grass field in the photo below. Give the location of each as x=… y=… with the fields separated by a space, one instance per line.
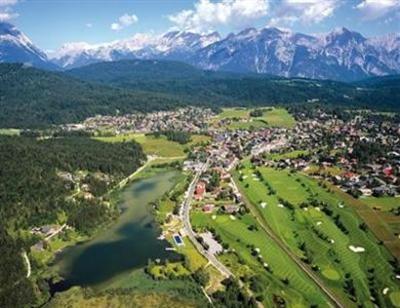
x=300 y=290
x=279 y=117
x=228 y=113
x=272 y=117
x=327 y=247
x=288 y=155
x=157 y=146
x=383 y=203
x=249 y=124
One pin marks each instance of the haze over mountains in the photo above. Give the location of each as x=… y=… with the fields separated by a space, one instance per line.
x=341 y=54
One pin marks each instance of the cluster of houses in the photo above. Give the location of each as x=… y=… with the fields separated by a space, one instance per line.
x=331 y=146
x=364 y=153
x=189 y=119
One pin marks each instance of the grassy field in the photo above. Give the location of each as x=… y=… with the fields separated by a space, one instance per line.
x=228 y=113
x=299 y=290
x=9 y=131
x=136 y=290
x=326 y=246
x=314 y=169
x=383 y=203
x=288 y=155
x=158 y=146
x=199 y=139
x=151 y=145
x=279 y=117
x=273 y=117
x=250 y=124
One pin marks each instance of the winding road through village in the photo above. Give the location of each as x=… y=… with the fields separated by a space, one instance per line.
x=185 y=217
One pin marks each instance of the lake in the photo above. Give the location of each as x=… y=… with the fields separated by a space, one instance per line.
x=126 y=245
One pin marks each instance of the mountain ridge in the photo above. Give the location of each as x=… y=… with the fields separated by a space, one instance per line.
x=340 y=54
x=15 y=46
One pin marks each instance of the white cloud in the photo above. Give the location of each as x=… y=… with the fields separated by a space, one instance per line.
x=375 y=9
x=8 y=2
x=304 y=11
x=6 y=12
x=208 y=15
x=124 y=21
x=89 y=25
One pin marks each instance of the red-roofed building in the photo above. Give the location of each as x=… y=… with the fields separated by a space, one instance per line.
x=200 y=190
x=207 y=208
x=388 y=171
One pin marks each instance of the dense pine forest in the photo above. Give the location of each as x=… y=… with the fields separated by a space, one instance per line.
x=235 y=89
x=33 y=98
x=37 y=178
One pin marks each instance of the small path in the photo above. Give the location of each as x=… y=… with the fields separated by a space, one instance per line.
x=28 y=263
x=206 y=295
x=55 y=233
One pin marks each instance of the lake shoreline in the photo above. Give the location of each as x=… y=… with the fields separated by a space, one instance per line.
x=144 y=224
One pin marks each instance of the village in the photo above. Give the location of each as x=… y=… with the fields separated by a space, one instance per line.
x=190 y=119
x=269 y=181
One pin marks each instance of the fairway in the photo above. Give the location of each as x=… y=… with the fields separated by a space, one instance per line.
x=314 y=236
x=236 y=234
x=383 y=203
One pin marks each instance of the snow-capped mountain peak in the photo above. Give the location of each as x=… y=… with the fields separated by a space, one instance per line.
x=340 y=54
x=15 y=46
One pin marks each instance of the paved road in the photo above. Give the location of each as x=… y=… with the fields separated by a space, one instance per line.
x=308 y=271
x=185 y=216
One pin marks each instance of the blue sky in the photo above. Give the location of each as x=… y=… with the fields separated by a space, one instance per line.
x=50 y=23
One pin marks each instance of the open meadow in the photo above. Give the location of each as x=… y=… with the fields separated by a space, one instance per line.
x=158 y=146
x=240 y=118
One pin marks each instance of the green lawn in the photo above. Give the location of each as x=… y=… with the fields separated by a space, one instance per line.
x=249 y=124
x=333 y=258
x=300 y=292
x=383 y=203
x=288 y=155
x=279 y=117
x=228 y=113
x=274 y=117
x=151 y=145
x=199 y=139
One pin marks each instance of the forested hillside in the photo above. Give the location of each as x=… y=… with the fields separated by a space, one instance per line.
x=30 y=98
x=232 y=89
x=197 y=86
x=36 y=180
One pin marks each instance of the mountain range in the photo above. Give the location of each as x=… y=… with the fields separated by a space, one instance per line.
x=341 y=54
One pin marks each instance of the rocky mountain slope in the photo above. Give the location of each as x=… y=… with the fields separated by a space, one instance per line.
x=341 y=54
x=16 y=47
